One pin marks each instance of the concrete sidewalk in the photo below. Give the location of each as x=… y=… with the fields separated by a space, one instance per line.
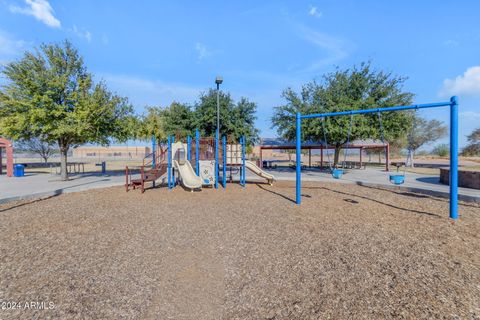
x=40 y=185
x=426 y=184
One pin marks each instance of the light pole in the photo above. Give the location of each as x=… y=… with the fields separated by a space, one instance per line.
x=218 y=81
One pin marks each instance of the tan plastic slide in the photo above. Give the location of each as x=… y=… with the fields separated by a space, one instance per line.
x=258 y=171
x=189 y=179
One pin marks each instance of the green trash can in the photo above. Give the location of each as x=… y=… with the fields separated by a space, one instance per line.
x=18 y=170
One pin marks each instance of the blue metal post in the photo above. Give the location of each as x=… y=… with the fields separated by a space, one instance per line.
x=376 y=110
x=197 y=152
x=153 y=156
x=216 y=159
x=454 y=158
x=299 y=159
x=244 y=176
x=174 y=180
x=241 y=158
x=169 y=163
x=189 y=148
x=224 y=149
x=153 y=151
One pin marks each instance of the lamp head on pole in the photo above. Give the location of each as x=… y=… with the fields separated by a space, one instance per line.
x=218 y=80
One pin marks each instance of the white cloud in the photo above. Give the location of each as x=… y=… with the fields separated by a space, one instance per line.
x=202 y=51
x=41 y=10
x=82 y=33
x=335 y=48
x=314 y=12
x=143 y=91
x=470 y=115
x=466 y=84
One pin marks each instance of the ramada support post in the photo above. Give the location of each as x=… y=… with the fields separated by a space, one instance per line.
x=4 y=143
x=321 y=158
x=309 y=158
x=387 y=157
x=361 y=152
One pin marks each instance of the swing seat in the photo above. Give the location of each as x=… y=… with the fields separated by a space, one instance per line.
x=397 y=179
x=337 y=173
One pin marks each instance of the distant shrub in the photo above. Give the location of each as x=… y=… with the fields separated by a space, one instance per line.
x=441 y=150
x=471 y=150
x=422 y=153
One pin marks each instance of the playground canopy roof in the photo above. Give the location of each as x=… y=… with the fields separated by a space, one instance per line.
x=278 y=144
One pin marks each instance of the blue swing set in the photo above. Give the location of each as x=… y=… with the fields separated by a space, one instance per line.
x=337 y=173
x=396 y=178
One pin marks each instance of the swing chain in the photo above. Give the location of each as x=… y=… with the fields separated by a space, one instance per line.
x=409 y=160
x=348 y=141
x=325 y=143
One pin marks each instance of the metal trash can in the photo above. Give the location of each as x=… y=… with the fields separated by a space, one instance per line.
x=18 y=170
x=102 y=164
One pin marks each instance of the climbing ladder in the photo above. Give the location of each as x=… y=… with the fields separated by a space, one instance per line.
x=150 y=170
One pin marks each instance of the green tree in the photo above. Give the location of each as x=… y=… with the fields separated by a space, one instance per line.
x=179 y=120
x=235 y=119
x=50 y=94
x=473 y=147
x=242 y=121
x=206 y=113
x=152 y=123
x=357 y=88
x=423 y=132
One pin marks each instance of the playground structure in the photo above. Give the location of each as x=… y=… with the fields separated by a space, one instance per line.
x=453 y=104
x=7 y=145
x=195 y=164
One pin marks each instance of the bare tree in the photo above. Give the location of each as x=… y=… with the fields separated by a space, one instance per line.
x=423 y=132
x=40 y=147
x=473 y=147
x=474 y=137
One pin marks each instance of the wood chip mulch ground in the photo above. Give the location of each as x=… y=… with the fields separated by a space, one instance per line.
x=348 y=252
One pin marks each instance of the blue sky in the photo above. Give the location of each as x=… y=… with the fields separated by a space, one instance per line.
x=155 y=52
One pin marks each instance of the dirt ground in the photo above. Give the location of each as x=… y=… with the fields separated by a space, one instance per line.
x=346 y=252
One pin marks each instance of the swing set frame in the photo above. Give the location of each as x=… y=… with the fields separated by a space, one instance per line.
x=453 y=104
